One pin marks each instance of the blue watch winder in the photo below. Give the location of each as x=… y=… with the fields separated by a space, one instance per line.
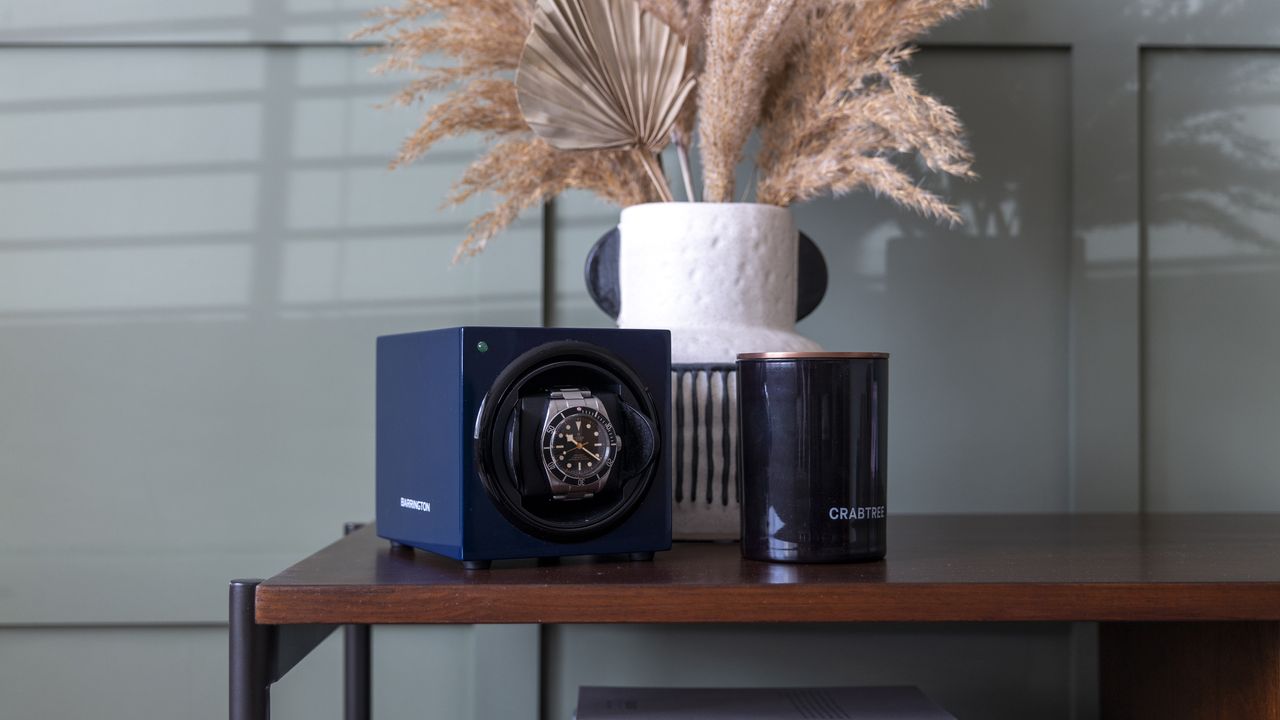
x=501 y=443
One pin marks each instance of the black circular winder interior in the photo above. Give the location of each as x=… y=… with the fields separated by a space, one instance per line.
x=509 y=430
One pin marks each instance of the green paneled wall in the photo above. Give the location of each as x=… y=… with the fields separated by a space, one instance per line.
x=199 y=240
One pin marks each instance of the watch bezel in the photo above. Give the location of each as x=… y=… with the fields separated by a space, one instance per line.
x=550 y=464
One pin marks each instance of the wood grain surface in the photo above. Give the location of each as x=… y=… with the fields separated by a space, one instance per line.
x=939 y=568
x=1190 y=671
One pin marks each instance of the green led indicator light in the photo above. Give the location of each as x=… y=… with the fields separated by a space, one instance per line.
x=482 y=346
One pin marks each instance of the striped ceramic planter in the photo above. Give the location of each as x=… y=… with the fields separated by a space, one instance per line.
x=705 y=489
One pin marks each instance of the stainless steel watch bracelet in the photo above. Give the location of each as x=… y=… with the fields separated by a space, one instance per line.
x=563 y=399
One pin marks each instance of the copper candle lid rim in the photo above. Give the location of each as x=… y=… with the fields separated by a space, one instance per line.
x=814 y=356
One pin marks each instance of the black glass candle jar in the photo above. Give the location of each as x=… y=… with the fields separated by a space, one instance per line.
x=812 y=455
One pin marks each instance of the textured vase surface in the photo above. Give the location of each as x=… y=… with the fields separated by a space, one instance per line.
x=722 y=278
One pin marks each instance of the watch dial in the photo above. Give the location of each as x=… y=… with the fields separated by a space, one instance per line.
x=579 y=446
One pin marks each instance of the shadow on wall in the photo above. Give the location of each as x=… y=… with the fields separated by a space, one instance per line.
x=198 y=246
x=199 y=20
x=1212 y=204
x=227 y=183
x=1212 y=138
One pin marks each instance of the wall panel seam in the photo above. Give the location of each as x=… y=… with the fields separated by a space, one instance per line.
x=1073 y=295
x=1143 y=256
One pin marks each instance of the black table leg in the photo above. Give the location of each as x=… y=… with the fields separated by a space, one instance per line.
x=356 y=664
x=261 y=654
x=250 y=649
x=356 y=672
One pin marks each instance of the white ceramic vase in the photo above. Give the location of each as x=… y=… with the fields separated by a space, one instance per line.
x=722 y=277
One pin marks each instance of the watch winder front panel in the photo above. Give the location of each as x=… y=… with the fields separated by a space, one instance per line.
x=501 y=472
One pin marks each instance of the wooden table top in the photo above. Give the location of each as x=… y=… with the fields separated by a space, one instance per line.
x=939 y=568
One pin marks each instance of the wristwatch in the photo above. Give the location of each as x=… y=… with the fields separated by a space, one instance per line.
x=578 y=444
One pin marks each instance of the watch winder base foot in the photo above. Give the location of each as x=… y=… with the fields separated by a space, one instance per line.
x=400 y=547
x=548 y=561
x=640 y=556
x=477 y=564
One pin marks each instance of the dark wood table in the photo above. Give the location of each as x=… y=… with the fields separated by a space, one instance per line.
x=1189 y=604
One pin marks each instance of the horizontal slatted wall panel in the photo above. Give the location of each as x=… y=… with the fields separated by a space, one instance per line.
x=200 y=242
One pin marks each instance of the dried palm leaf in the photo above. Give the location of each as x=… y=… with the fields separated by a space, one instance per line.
x=604 y=75
x=688 y=18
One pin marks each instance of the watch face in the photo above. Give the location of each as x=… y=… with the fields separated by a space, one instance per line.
x=578 y=446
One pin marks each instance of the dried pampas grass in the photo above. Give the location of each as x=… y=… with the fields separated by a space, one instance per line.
x=528 y=172
x=482 y=42
x=841 y=110
x=483 y=37
x=746 y=40
x=485 y=105
x=822 y=81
